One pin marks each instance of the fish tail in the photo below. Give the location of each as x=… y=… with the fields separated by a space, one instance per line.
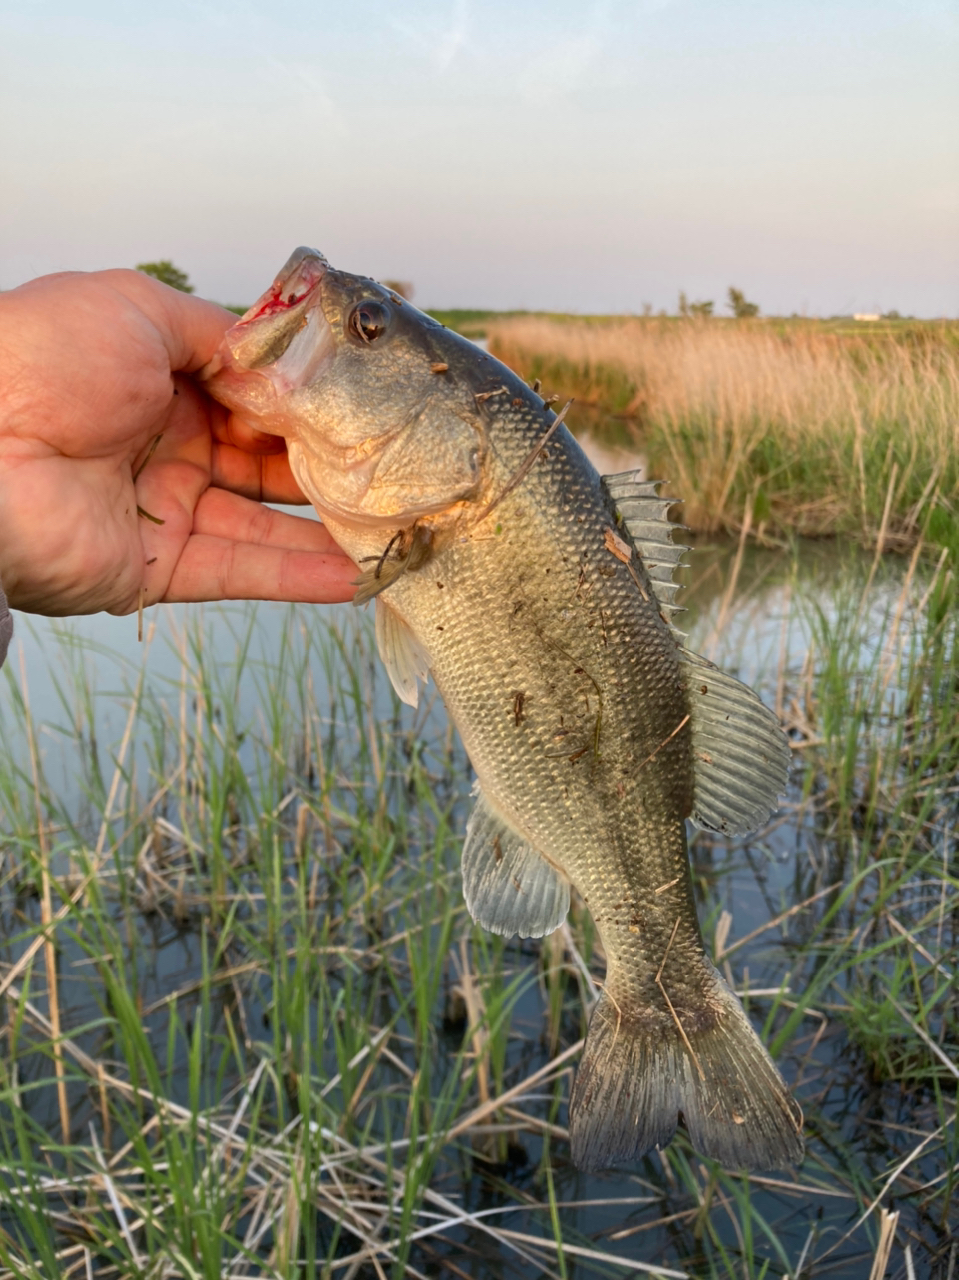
x=638 y=1077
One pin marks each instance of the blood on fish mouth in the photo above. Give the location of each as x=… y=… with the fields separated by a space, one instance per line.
x=276 y=302
x=291 y=286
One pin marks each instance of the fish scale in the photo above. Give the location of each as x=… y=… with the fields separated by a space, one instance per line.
x=538 y=596
x=578 y=808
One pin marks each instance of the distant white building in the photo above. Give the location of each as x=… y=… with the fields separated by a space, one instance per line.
x=866 y=315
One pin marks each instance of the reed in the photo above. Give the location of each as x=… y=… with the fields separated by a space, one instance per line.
x=809 y=429
x=287 y=1052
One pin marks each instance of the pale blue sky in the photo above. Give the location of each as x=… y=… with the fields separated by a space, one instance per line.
x=585 y=156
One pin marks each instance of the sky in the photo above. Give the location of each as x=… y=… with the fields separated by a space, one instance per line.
x=567 y=155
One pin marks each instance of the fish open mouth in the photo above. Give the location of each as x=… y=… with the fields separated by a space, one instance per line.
x=300 y=276
x=280 y=344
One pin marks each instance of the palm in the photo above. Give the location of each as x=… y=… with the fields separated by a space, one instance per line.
x=89 y=396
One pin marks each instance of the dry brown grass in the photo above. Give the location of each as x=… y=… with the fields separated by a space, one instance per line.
x=803 y=428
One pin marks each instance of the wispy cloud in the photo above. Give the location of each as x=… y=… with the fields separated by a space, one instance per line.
x=440 y=43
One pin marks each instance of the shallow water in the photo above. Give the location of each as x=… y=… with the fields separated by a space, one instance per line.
x=753 y=619
x=751 y=615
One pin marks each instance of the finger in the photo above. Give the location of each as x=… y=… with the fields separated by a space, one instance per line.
x=226 y=515
x=263 y=477
x=229 y=428
x=191 y=328
x=217 y=569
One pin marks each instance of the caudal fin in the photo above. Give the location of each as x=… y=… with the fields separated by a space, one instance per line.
x=636 y=1079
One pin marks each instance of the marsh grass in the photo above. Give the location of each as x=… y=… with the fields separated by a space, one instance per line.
x=791 y=427
x=287 y=1051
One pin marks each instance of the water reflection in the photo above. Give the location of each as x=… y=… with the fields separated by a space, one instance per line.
x=749 y=609
x=753 y=625
x=752 y=610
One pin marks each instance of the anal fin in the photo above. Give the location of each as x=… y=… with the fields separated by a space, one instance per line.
x=509 y=888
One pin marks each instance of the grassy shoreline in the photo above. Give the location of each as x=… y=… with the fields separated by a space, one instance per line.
x=783 y=427
x=286 y=1051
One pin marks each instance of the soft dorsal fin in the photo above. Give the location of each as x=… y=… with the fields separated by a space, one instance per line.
x=646 y=516
x=509 y=888
x=741 y=756
x=401 y=653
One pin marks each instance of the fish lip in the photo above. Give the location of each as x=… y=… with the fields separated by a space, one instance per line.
x=249 y=377
x=296 y=290
x=296 y=281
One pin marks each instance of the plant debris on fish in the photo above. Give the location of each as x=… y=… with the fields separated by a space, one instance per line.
x=540 y=598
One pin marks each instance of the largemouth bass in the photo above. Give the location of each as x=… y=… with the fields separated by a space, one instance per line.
x=540 y=598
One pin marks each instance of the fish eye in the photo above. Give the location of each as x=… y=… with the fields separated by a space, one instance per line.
x=368 y=320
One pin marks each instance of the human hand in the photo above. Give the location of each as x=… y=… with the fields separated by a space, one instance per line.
x=121 y=482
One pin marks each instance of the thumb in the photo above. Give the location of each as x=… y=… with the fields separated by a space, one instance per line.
x=191 y=328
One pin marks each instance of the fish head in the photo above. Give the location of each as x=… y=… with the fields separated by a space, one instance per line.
x=358 y=381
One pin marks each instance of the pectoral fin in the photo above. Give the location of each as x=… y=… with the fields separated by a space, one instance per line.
x=741 y=756
x=403 y=656
x=509 y=888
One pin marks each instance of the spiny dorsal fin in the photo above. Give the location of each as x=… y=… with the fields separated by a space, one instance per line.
x=646 y=516
x=509 y=888
x=401 y=653
x=741 y=756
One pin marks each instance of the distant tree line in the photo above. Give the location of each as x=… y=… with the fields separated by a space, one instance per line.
x=737 y=304
x=167 y=273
